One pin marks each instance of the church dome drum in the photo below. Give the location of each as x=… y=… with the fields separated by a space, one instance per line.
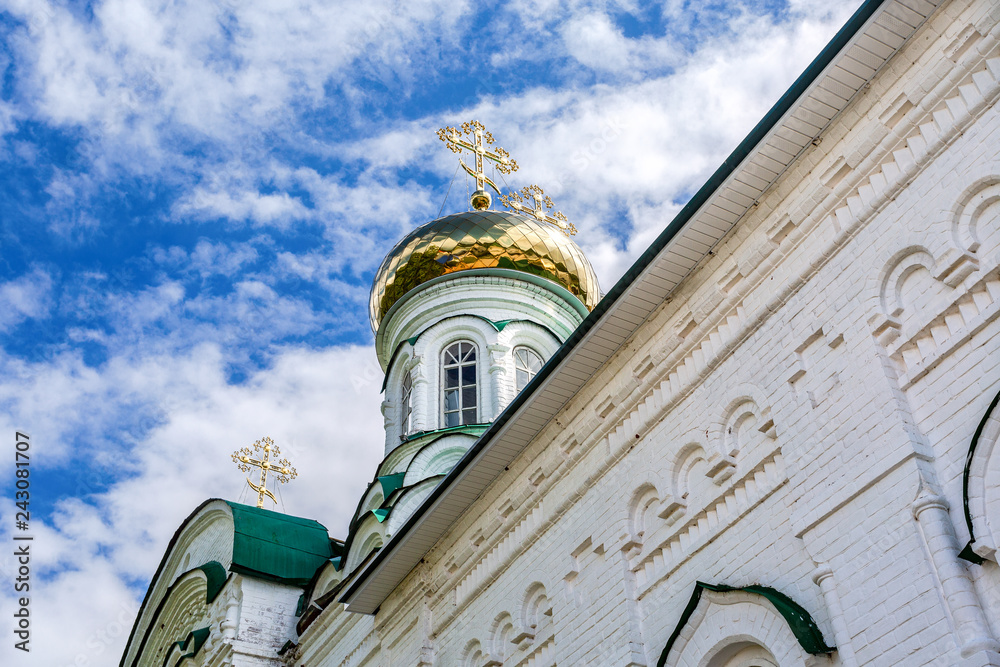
x=482 y=240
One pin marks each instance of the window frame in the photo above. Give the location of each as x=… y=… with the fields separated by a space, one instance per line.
x=444 y=366
x=406 y=405
x=517 y=369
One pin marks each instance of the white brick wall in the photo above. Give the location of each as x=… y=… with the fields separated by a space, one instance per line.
x=807 y=432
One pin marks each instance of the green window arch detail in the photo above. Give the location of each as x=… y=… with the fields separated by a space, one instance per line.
x=190 y=645
x=216 y=576
x=801 y=623
x=390 y=483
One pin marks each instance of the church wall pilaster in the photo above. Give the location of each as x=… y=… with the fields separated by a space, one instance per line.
x=972 y=634
x=823 y=577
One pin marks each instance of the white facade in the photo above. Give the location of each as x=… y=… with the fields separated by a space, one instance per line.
x=794 y=422
x=495 y=310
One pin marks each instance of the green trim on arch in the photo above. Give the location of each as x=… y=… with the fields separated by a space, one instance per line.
x=390 y=483
x=191 y=644
x=469 y=429
x=216 y=576
x=381 y=514
x=967 y=553
x=801 y=623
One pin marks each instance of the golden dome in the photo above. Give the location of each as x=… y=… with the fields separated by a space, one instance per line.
x=482 y=240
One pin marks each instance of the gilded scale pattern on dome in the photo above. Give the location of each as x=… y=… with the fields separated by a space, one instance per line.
x=482 y=240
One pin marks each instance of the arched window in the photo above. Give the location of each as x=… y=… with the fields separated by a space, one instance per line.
x=459 y=371
x=527 y=363
x=406 y=407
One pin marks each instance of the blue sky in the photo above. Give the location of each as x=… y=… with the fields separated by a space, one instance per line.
x=195 y=196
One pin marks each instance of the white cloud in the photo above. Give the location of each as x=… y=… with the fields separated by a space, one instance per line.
x=597 y=43
x=321 y=407
x=594 y=41
x=209 y=258
x=223 y=70
x=29 y=296
x=278 y=209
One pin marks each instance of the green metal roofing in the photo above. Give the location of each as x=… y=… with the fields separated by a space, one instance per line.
x=282 y=548
x=801 y=623
x=390 y=483
x=189 y=646
x=216 y=576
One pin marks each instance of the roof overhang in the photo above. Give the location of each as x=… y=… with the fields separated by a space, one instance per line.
x=876 y=31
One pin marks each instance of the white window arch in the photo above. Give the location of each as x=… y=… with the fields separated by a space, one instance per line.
x=527 y=363
x=460 y=387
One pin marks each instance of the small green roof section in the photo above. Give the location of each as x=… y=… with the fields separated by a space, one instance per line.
x=278 y=547
x=216 y=576
x=189 y=646
x=391 y=482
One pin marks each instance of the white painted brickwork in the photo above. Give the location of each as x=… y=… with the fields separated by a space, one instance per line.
x=797 y=416
x=267 y=621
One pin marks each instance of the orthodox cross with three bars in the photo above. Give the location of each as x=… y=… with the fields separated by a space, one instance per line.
x=283 y=469
x=456 y=141
x=516 y=201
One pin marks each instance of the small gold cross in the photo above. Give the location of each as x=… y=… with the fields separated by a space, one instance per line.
x=283 y=469
x=516 y=201
x=505 y=165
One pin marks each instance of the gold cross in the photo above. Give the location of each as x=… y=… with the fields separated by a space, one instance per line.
x=516 y=201
x=505 y=165
x=282 y=469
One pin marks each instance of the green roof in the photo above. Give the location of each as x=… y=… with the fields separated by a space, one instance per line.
x=282 y=548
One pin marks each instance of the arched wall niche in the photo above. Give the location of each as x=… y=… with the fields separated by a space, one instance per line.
x=326 y=581
x=978 y=206
x=689 y=481
x=732 y=627
x=643 y=510
x=369 y=535
x=473 y=655
x=743 y=654
x=911 y=290
x=408 y=503
x=501 y=637
x=437 y=458
x=536 y=610
x=536 y=630
x=745 y=430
